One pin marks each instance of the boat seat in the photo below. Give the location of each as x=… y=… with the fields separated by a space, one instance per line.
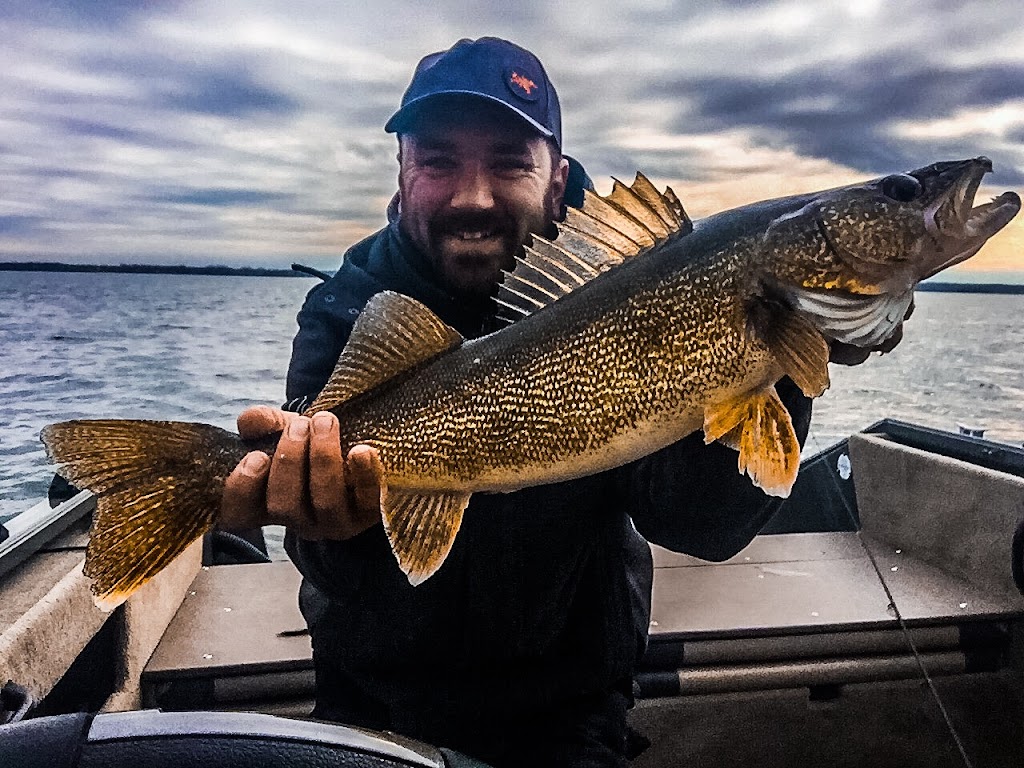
x=806 y=610
x=792 y=610
x=238 y=641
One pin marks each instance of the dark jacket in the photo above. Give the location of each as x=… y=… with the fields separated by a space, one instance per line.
x=545 y=596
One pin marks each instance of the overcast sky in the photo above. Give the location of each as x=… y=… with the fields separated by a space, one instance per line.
x=250 y=132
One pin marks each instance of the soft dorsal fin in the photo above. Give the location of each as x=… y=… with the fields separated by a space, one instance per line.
x=392 y=334
x=599 y=236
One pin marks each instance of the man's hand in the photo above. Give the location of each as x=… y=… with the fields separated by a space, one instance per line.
x=847 y=354
x=306 y=485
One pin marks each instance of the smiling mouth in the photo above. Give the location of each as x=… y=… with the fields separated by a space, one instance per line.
x=474 y=235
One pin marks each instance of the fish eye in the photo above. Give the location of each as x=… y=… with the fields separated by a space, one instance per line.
x=901 y=187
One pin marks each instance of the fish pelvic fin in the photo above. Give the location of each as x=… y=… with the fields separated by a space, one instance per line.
x=421 y=527
x=392 y=334
x=600 y=235
x=158 y=486
x=759 y=427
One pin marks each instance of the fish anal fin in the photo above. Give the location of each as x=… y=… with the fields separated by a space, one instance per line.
x=759 y=427
x=421 y=526
x=392 y=334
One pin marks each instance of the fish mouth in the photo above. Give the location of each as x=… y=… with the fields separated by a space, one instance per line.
x=958 y=227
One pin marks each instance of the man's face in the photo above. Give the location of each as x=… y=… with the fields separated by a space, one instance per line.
x=473 y=188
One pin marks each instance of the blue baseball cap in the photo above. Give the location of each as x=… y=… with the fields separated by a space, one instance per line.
x=488 y=68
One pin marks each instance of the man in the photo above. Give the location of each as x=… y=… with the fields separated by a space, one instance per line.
x=521 y=649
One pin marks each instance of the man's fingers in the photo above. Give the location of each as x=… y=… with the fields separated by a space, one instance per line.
x=847 y=354
x=365 y=476
x=244 y=493
x=327 y=490
x=262 y=420
x=287 y=494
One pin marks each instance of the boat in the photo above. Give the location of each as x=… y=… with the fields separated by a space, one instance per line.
x=877 y=620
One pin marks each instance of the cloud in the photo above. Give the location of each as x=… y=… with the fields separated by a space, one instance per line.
x=18 y=225
x=219 y=197
x=246 y=132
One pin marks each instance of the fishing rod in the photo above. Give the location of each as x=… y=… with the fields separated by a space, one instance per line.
x=897 y=614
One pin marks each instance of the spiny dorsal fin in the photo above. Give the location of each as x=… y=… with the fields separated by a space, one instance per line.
x=392 y=334
x=421 y=527
x=599 y=236
x=758 y=425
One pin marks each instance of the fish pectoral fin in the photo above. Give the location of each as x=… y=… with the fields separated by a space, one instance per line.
x=794 y=339
x=421 y=527
x=392 y=334
x=801 y=351
x=759 y=427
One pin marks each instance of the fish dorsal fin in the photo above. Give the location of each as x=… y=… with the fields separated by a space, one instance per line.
x=421 y=526
x=599 y=236
x=392 y=334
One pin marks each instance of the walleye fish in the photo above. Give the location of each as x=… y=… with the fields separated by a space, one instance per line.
x=632 y=329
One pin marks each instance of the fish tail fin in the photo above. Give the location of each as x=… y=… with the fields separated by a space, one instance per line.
x=760 y=428
x=158 y=486
x=421 y=527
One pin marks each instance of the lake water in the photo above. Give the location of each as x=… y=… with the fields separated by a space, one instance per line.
x=187 y=347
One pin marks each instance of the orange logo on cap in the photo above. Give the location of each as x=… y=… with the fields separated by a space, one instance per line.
x=523 y=82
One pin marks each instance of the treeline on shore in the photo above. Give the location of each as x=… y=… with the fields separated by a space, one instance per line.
x=298 y=270
x=149 y=269
x=1014 y=288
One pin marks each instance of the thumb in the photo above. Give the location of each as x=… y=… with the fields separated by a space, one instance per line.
x=262 y=420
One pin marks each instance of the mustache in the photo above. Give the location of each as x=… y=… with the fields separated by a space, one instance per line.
x=469 y=221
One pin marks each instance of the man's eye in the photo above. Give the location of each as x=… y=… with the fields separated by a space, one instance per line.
x=513 y=164
x=438 y=163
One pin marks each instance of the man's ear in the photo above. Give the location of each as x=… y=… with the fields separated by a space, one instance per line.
x=558 y=184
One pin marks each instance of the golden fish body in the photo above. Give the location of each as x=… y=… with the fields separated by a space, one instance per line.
x=631 y=330
x=612 y=376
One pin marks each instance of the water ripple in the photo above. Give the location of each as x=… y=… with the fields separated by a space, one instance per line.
x=203 y=348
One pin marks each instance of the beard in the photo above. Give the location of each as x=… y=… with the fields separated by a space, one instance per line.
x=470 y=249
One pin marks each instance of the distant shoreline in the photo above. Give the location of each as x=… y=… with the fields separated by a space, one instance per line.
x=154 y=269
x=158 y=269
